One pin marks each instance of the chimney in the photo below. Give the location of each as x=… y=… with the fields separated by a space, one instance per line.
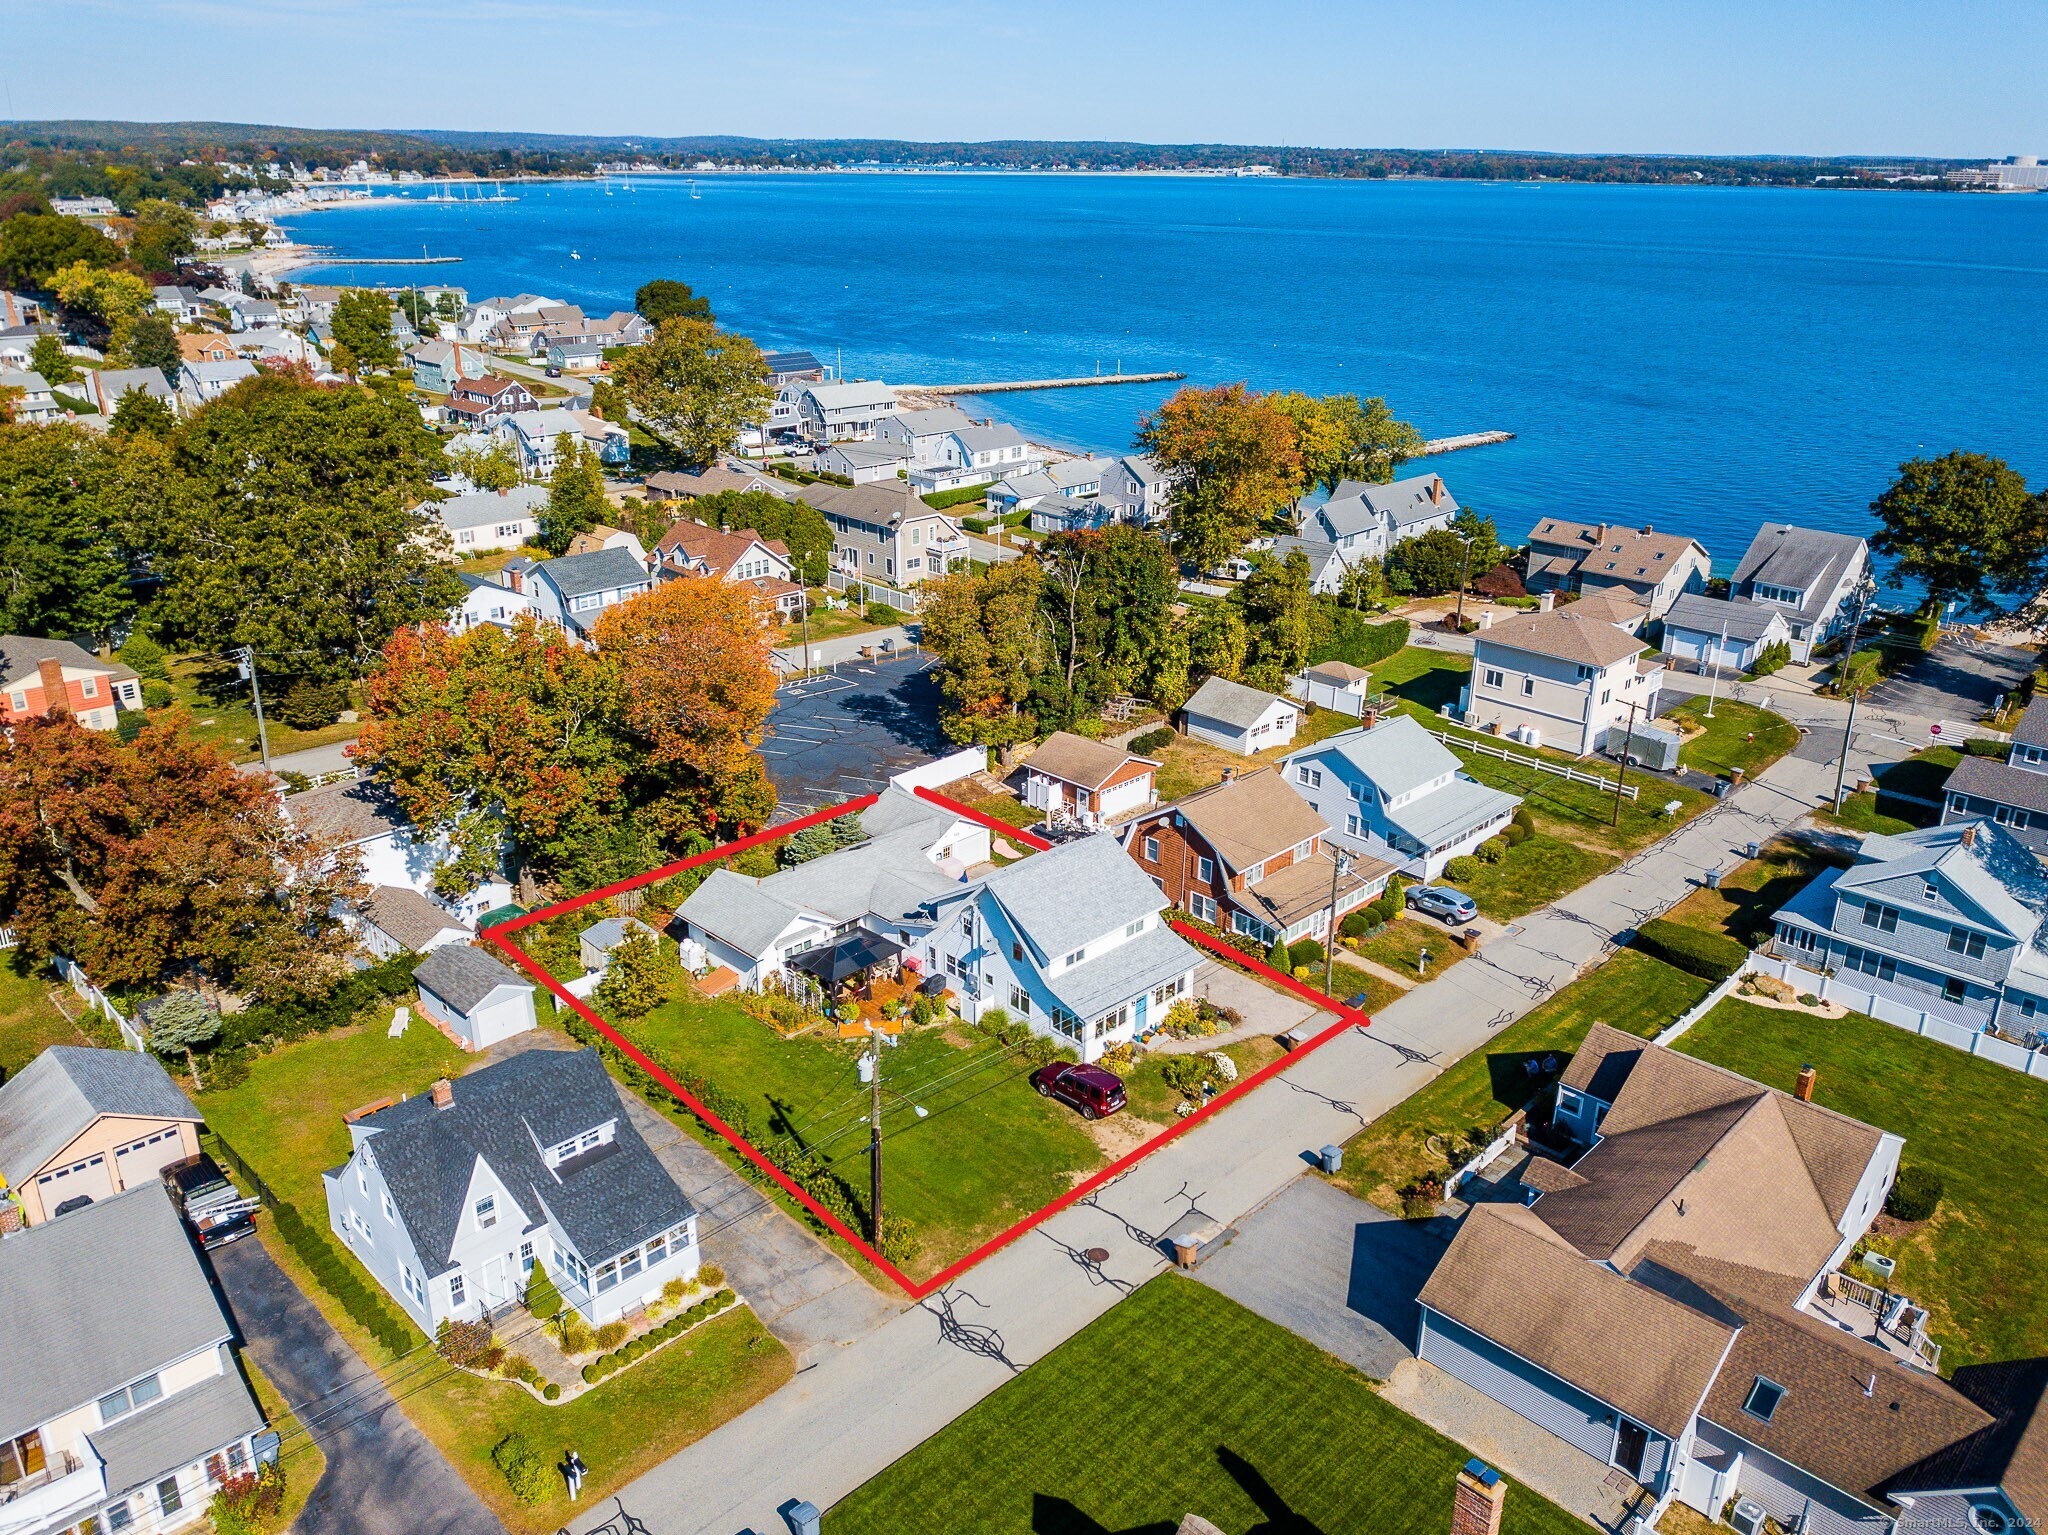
x=1436 y=492
x=1476 y=1500
x=1802 y=1089
x=1647 y=530
x=1967 y=839
x=444 y=1093
x=1545 y=601
x=1486 y=618
x=55 y=701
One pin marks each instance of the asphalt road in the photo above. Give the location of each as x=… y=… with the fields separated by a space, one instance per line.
x=383 y=1477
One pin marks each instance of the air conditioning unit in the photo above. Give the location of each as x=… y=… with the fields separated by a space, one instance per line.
x=1746 y=1518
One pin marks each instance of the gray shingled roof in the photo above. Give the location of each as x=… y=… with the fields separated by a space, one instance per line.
x=145 y=1447
x=482 y=508
x=463 y=976
x=606 y=1200
x=1743 y=620
x=1074 y=892
x=22 y=653
x=56 y=1097
x=1396 y=755
x=352 y=811
x=409 y=918
x=1801 y=559
x=1231 y=703
x=2032 y=729
x=74 y=1329
x=601 y=570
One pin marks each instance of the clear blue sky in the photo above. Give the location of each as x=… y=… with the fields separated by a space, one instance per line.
x=1741 y=76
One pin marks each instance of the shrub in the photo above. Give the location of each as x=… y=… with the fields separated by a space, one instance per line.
x=1357 y=924
x=1915 y=1194
x=675 y=1290
x=246 y=1504
x=1773 y=657
x=1420 y=1198
x=1355 y=640
x=612 y=1334
x=144 y=657
x=1710 y=956
x=1492 y=850
x=1118 y=1058
x=1461 y=869
x=711 y=1275
x=975 y=524
x=308 y=705
x=1523 y=819
x=1224 y=1067
x=551 y=1392
x=1152 y=740
x=1186 y=1074
x=577 y=1338
x=463 y=1343
x=526 y=1473
x=365 y=1306
x=1306 y=951
x=1279 y=957
x=542 y=1298
x=882 y=613
x=1516 y=834
x=157 y=695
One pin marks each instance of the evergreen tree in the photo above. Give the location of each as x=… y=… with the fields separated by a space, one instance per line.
x=181 y=1021
x=576 y=501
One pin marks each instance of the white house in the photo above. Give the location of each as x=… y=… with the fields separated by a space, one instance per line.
x=34 y=402
x=485 y=520
x=395 y=919
x=488 y=600
x=1817 y=578
x=1362 y=520
x=864 y=462
x=915 y=852
x=1239 y=719
x=829 y=413
x=534 y=434
x=573 y=590
x=363 y=815
x=105 y=387
x=121 y=1405
x=975 y=455
x=200 y=382
x=475 y=1000
x=1722 y=634
x=924 y=432
x=1392 y=791
x=1073 y=940
x=1139 y=488
x=1334 y=685
x=451 y=1199
x=1558 y=679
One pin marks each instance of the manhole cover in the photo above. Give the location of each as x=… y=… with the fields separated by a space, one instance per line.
x=1097 y=1255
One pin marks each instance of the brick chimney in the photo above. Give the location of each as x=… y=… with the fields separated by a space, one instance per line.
x=444 y=1093
x=1967 y=839
x=1802 y=1088
x=1436 y=492
x=55 y=700
x=1476 y=1500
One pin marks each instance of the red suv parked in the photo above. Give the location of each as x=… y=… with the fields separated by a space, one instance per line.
x=1090 y=1089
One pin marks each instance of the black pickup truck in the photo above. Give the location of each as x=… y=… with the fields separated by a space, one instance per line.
x=213 y=1207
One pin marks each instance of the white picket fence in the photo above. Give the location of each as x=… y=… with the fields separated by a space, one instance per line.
x=94 y=998
x=1562 y=770
x=1832 y=988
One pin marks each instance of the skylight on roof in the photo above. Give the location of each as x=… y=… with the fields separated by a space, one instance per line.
x=1764 y=1397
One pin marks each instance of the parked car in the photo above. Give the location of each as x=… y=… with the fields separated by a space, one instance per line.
x=1442 y=902
x=213 y=1207
x=1090 y=1089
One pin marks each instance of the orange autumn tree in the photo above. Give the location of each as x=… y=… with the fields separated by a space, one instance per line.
x=1234 y=459
x=158 y=860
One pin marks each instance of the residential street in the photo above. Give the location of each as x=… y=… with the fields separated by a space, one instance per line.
x=869 y=1402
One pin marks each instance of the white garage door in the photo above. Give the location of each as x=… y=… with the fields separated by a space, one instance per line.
x=139 y=1162
x=91 y=1178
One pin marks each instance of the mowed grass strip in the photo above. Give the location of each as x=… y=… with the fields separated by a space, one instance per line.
x=1977 y=1265
x=1179 y=1401
x=29 y=1020
x=1630 y=991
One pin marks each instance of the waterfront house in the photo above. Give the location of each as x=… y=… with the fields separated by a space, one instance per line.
x=872 y=896
x=482 y=401
x=740 y=554
x=1720 y=633
x=1391 y=791
x=451 y=1199
x=200 y=382
x=1073 y=941
x=1944 y=922
x=79 y=1125
x=472 y=998
x=1237 y=718
x=573 y=590
x=2012 y=793
x=575 y=354
x=886 y=535
x=437 y=366
x=1362 y=521
x=32 y=400
x=1666 y=1298
x=1656 y=568
x=122 y=1408
x=40 y=676
x=1076 y=479
x=1561 y=678
x=793 y=368
x=1818 y=578
x=362 y=814
x=481 y=521
x=924 y=432
x=864 y=462
x=105 y=387
x=393 y=920
x=1249 y=855
x=1086 y=783
x=829 y=413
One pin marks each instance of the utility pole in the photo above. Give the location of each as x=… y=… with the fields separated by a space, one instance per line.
x=1339 y=864
x=1842 y=766
x=1714 y=671
x=248 y=670
x=1843 y=679
x=1464 y=575
x=1628 y=744
x=875 y=1136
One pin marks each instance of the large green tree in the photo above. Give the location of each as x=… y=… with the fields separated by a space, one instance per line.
x=63 y=532
x=148 y=340
x=576 y=501
x=667 y=299
x=1964 y=527
x=1281 y=619
x=362 y=323
x=294 y=524
x=1376 y=443
x=48 y=358
x=35 y=247
x=988 y=633
x=697 y=386
x=1428 y=565
x=802 y=529
x=1234 y=462
x=164 y=232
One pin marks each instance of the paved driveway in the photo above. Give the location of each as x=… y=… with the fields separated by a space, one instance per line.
x=1953 y=681
x=1338 y=1271
x=838 y=736
x=383 y=1477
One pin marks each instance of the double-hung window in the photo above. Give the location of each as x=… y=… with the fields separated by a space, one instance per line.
x=1151 y=850
x=118 y=1404
x=1304 y=774
x=1205 y=870
x=1495 y=677
x=1884 y=918
x=1962 y=941
x=457 y=1293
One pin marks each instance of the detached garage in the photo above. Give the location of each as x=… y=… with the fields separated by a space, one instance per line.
x=1239 y=719
x=472 y=998
x=1725 y=635
x=79 y=1123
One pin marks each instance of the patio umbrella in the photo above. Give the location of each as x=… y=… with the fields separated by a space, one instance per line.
x=847 y=958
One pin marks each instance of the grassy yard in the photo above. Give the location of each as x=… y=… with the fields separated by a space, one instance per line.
x=988 y=1151
x=29 y=1020
x=286 y=1121
x=222 y=715
x=1977 y=1264
x=1739 y=735
x=1741 y=909
x=1150 y=1097
x=1187 y=766
x=1860 y=814
x=300 y=1457
x=1348 y=981
x=1534 y=874
x=1919 y=777
x=1423 y=679
x=1179 y=1401
x=1004 y=807
x=1400 y=944
x=1630 y=991
x=833 y=625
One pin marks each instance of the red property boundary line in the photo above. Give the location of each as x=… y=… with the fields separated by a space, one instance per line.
x=500 y=936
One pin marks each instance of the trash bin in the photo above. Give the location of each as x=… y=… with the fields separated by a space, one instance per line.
x=1754 y=850
x=1332 y=1158
x=803 y=1518
x=1713 y=879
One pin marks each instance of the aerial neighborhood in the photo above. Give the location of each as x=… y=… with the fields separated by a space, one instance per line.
x=611 y=926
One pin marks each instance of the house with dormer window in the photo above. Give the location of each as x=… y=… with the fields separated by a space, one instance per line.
x=452 y=1199
x=1653 y=568
x=1816 y=579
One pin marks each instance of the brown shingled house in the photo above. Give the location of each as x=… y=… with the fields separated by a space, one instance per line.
x=1666 y=1298
x=1654 y=568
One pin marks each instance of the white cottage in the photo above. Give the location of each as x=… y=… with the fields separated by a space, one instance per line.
x=1239 y=719
x=474 y=999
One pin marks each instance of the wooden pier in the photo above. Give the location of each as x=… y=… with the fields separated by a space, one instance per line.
x=1017 y=385
x=1437 y=445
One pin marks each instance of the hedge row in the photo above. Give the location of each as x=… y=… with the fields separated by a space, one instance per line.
x=335 y=1009
x=1359 y=642
x=682 y=1321
x=1710 y=956
x=366 y=1307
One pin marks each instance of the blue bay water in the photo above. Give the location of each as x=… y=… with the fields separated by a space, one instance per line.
x=1700 y=359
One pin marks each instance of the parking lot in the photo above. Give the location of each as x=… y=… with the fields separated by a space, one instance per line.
x=842 y=734
x=1954 y=681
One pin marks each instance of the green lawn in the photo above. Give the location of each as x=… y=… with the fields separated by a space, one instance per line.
x=1149 y=1096
x=29 y=1021
x=1179 y=1401
x=1738 y=736
x=1423 y=679
x=1630 y=991
x=987 y=1152
x=1919 y=777
x=223 y=716
x=1860 y=813
x=1348 y=981
x=1752 y=891
x=1400 y=943
x=1977 y=1265
x=836 y=624
x=1532 y=875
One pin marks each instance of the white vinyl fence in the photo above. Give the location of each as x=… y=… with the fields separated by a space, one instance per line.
x=1563 y=770
x=93 y=997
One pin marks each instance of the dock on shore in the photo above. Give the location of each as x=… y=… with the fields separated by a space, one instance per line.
x=328 y=258
x=1437 y=445
x=1016 y=385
